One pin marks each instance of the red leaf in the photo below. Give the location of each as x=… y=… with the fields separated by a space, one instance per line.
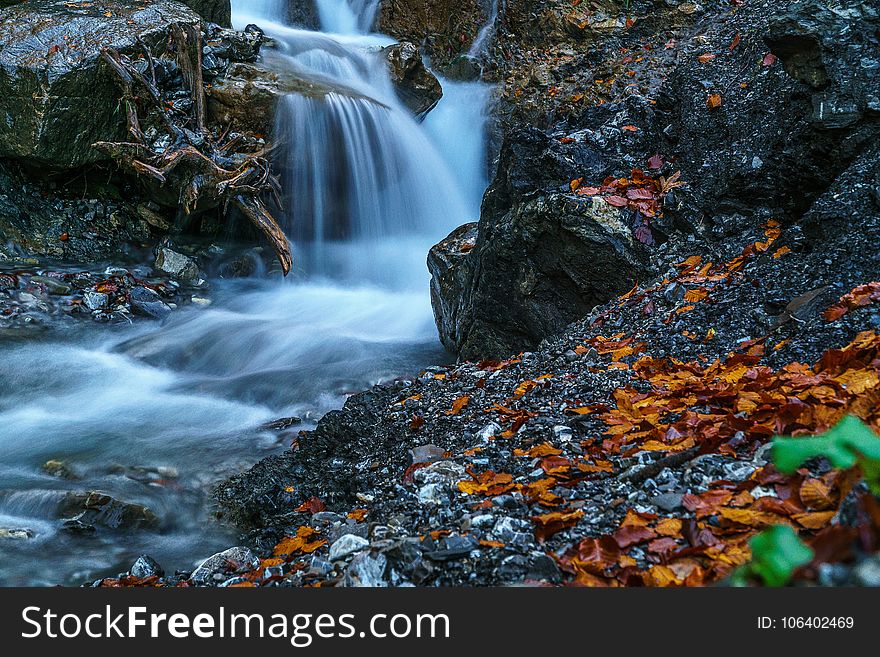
x=769 y=59
x=655 y=161
x=736 y=40
x=312 y=505
x=616 y=201
x=633 y=534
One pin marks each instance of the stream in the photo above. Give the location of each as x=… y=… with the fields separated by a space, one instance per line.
x=156 y=414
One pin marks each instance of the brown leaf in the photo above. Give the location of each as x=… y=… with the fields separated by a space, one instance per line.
x=458 y=405
x=312 y=505
x=713 y=102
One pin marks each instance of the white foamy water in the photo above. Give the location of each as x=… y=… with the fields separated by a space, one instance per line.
x=155 y=414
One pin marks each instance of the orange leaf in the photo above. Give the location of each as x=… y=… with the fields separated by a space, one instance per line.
x=458 y=405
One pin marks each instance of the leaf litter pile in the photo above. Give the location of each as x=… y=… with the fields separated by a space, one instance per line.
x=632 y=451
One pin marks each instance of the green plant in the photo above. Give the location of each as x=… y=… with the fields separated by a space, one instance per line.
x=849 y=443
x=776 y=553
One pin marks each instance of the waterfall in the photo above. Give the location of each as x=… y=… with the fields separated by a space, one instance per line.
x=347 y=16
x=487 y=32
x=359 y=170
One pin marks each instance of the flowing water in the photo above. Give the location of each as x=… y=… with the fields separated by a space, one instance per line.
x=155 y=414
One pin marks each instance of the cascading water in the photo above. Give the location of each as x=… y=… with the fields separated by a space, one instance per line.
x=154 y=414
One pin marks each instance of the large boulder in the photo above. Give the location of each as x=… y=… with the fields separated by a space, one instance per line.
x=415 y=85
x=247 y=97
x=540 y=258
x=216 y=11
x=57 y=97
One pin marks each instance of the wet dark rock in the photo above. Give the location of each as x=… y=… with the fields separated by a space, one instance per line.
x=233 y=46
x=513 y=568
x=813 y=117
x=446 y=27
x=427 y=453
x=667 y=501
x=418 y=89
x=223 y=565
x=542 y=568
x=216 y=11
x=55 y=94
x=146 y=566
x=84 y=510
x=451 y=548
x=34 y=221
x=542 y=258
x=247 y=96
x=303 y=13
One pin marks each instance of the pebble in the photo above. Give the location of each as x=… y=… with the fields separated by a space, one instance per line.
x=867 y=573
x=231 y=561
x=146 y=566
x=366 y=570
x=347 y=545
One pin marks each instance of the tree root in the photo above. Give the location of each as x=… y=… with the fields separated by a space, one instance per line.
x=196 y=163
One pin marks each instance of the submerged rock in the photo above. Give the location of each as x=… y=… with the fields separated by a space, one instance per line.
x=84 y=511
x=15 y=534
x=58 y=469
x=418 y=89
x=56 y=96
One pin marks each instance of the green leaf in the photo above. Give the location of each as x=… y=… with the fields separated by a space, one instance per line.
x=844 y=445
x=776 y=553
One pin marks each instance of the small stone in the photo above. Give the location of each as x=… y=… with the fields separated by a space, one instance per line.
x=177 y=265
x=95 y=300
x=346 y=545
x=146 y=566
x=318 y=566
x=453 y=547
x=366 y=570
x=667 y=501
x=434 y=494
x=489 y=431
x=563 y=433
x=483 y=520
x=427 y=453
x=543 y=569
x=52 y=285
x=867 y=573
x=233 y=561
x=441 y=472
x=512 y=531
